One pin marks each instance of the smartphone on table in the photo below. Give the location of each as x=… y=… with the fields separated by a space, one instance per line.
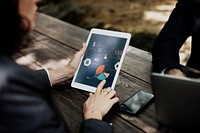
x=136 y=102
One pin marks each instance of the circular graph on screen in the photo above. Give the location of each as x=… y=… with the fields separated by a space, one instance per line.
x=102 y=72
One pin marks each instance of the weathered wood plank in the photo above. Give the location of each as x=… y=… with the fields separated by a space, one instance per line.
x=138 y=63
x=47 y=53
x=74 y=37
x=66 y=33
x=26 y=61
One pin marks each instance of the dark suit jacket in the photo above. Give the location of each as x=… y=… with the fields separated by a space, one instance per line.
x=26 y=104
x=183 y=22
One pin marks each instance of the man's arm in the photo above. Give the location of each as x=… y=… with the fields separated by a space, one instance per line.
x=177 y=29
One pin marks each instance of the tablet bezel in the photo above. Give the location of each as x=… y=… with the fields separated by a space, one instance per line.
x=107 y=33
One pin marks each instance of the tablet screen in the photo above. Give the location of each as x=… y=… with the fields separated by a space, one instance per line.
x=101 y=60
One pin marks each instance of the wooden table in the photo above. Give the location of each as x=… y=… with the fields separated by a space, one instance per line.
x=56 y=41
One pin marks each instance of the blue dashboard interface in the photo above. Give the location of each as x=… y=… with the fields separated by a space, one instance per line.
x=101 y=60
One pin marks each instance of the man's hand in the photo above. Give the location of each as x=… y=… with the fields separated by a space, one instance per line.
x=175 y=72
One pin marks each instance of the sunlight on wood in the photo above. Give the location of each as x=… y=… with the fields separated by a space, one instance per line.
x=161 y=13
x=165 y=7
x=30 y=61
x=156 y=16
x=52 y=64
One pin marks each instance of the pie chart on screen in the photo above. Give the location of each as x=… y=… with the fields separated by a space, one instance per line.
x=102 y=72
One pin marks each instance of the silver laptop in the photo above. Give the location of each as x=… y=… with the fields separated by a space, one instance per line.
x=177 y=100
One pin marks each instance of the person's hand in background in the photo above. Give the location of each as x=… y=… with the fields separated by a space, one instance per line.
x=175 y=72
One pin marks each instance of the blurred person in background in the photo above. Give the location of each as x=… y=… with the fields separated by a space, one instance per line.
x=183 y=22
x=26 y=104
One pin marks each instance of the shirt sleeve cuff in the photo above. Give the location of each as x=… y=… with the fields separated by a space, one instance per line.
x=47 y=71
x=96 y=126
x=163 y=71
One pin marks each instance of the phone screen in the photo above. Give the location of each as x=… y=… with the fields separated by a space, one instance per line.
x=136 y=102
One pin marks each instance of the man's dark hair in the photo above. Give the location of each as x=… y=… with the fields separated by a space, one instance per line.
x=13 y=31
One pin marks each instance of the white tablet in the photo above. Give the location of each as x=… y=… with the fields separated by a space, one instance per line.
x=102 y=59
